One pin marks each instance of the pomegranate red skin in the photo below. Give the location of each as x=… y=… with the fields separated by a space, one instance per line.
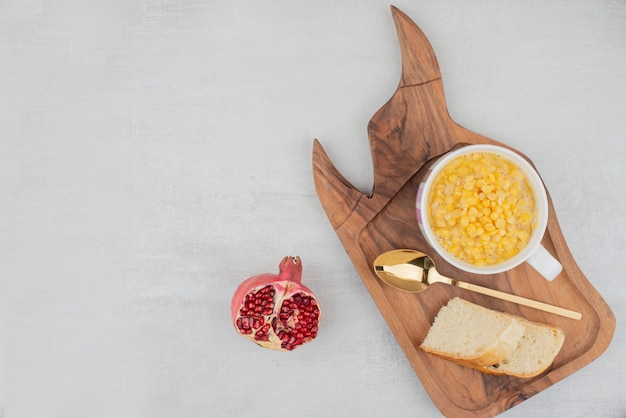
x=288 y=312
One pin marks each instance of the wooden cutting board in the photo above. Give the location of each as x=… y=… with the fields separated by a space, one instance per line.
x=405 y=135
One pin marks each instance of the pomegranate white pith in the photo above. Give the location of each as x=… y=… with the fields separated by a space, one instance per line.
x=277 y=311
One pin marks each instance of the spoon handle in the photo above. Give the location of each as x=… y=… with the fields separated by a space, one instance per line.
x=519 y=300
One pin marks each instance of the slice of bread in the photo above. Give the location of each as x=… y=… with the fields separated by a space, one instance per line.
x=491 y=341
x=534 y=353
x=466 y=332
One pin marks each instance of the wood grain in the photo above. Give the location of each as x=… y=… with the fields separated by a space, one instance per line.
x=411 y=129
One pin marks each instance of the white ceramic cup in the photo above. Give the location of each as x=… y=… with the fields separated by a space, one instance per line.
x=533 y=253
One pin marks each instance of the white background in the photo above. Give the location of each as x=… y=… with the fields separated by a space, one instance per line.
x=155 y=153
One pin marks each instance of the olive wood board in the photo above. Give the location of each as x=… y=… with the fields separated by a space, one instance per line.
x=411 y=129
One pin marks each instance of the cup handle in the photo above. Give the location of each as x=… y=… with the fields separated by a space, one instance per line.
x=542 y=261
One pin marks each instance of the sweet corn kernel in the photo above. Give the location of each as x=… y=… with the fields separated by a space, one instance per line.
x=482 y=208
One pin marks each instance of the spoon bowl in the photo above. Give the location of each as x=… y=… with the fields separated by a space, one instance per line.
x=401 y=269
x=413 y=271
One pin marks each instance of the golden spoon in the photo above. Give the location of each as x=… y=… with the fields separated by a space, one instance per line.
x=413 y=271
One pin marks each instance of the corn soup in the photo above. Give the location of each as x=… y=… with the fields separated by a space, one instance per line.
x=481 y=208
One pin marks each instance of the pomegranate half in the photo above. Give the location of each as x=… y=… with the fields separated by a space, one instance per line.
x=277 y=311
